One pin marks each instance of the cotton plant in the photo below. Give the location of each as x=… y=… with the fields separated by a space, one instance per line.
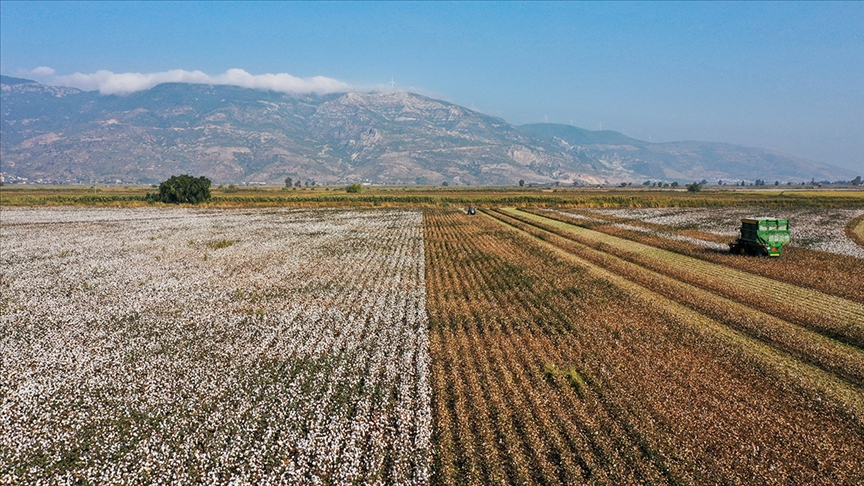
x=264 y=346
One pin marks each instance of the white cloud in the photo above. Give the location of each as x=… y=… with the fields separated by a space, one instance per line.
x=108 y=82
x=41 y=72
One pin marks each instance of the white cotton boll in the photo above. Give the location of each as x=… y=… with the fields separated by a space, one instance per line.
x=248 y=363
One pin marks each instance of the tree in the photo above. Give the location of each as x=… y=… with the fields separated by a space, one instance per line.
x=521 y=182
x=183 y=189
x=695 y=187
x=288 y=182
x=856 y=181
x=354 y=188
x=674 y=183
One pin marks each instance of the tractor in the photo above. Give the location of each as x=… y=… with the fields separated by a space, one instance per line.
x=761 y=237
x=472 y=210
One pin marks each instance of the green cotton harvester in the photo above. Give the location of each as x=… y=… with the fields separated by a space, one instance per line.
x=761 y=236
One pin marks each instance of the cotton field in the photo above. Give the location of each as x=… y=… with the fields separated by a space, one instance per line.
x=816 y=229
x=148 y=345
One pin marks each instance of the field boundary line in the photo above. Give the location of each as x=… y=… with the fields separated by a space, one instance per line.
x=804 y=377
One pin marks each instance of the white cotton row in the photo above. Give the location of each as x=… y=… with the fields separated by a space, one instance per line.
x=133 y=348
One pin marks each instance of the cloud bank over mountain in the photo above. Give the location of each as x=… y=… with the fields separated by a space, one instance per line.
x=107 y=82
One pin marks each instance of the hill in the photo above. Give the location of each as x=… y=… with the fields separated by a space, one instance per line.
x=683 y=161
x=233 y=134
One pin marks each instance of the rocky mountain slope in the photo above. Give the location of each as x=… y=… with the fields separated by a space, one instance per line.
x=683 y=161
x=233 y=134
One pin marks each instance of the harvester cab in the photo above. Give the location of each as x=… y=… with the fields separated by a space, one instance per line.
x=472 y=210
x=762 y=237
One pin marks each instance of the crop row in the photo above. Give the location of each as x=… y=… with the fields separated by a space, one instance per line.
x=498 y=417
x=828 y=272
x=142 y=346
x=833 y=316
x=844 y=361
x=546 y=365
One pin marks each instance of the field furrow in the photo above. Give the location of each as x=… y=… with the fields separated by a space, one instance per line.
x=832 y=316
x=845 y=361
x=546 y=457
x=831 y=273
x=643 y=389
x=808 y=379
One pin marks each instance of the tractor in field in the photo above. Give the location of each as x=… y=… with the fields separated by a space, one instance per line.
x=472 y=210
x=761 y=237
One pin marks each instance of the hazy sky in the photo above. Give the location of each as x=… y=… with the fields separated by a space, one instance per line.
x=782 y=75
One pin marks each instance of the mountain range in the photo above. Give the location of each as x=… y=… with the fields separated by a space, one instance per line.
x=235 y=135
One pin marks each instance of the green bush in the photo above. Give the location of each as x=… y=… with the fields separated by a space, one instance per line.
x=182 y=189
x=695 y=187
x=571 y=375
x=354 y=188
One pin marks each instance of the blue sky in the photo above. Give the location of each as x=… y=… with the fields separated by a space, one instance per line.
x=788 y=76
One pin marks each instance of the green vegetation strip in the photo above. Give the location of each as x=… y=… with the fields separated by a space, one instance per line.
x=434 y=196
x=846 y=317
x=788 y=370
x=831 y=355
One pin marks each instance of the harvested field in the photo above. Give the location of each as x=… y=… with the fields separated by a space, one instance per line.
x=830 y=315
x=827 y=272
x=658 y=392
